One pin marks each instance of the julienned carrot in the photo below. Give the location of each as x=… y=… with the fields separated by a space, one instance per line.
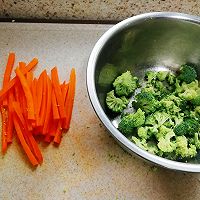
x=64 y=89
x=34 y=107
x=39 y=86
x=10 y=117
x=28 y=135
x=58 y=134
x=8 y=86
x=4 y=129
x=28 y=94
x=22 y=66
x=48 y=106
x=56 y=115
x=70 y=98
x=7 y=74
x=23 y=142
x=58 y=93
x=44 y=100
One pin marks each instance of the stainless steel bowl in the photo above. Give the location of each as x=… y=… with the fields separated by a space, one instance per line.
x=152 y=40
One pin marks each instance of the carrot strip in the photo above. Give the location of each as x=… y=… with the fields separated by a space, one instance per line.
x=4 y=129
x=56 y=115
x=58 y=135
x=58 y=93
x=48 y=106
x=22 y=66
x=28 y=136
x=26 y=148
x=10 y=117
x=64 y=89
x=34 y=92
x=8 y=86
x=7 y=73
x=29 y=77
x=70 y=98
x=28 y=94
x=44 y=100
x=39 y=96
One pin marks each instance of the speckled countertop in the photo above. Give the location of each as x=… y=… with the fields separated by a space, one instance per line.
x=89 y=164
x=92 y=10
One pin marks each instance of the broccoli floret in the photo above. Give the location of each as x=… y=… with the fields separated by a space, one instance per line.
x=195 y=140
x=162 y=131
x=131 y=121
x=187 y=74
x=182 y=148
x=146 y=101
x=165 y=144
x=114 y=103
x=161 y=87
x=162 y=75
x=196 y=100
x=178 y=118
x=171 y=78
x=189 y=91
x=150 y=146
x=150 y=76
x=188 y=126
x=161 y=117
x=169 y=106
x=125 y=84
x=146 y=132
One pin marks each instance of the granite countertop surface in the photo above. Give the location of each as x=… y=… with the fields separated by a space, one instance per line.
x=92 y=10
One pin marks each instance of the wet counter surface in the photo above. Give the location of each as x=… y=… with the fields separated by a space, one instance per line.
x=88 y=164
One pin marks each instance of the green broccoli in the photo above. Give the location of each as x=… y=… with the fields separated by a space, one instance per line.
x=162 y=75
x=165 y=144
x=150 y=76
x=125 y=84
x=146 y=132
x=196 y=100
x=195 y=140
x=114 y=103
x=187 y=74
x=146 y=101
x=150 y=146
x=182 y=148
x=171 y=78
x=161 y=117
x=187 y=127
x=162 y=132
x=131 y=121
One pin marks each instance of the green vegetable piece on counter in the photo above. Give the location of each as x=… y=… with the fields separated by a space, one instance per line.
x=125 y=84
x=114 y=103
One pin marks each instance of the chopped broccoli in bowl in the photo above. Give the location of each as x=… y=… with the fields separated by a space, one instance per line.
x=165 y=114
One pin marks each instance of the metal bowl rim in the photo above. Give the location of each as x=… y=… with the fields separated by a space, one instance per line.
x=90 y=79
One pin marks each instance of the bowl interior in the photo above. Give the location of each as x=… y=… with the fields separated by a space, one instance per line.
x=158 y=44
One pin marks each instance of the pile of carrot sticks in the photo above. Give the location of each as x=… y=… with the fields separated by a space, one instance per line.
x=32 y=107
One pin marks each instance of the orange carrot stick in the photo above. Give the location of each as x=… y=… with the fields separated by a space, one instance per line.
x=65 y=88
x=70 y=98
x=56 y=115
x=48 y=106
x=58 y=93
x=4 y=118
x=7 y=74
x=10 y=117
x=8 y=86
x=58 y=135
x=44 y=100
x=29 y=77
x=28 y=135
x=26 y=148
x=22 y=66
x=28 y=94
